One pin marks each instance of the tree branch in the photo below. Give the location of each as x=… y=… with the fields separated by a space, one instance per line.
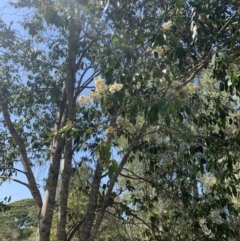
x=15 y=180
x=114 y=179
x=74 y=229
x=24 y=158
x=12 y=168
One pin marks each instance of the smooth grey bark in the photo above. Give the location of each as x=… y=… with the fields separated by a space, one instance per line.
x=92 y=204
x=64 y=190
x=71 y=114
x=46 y=214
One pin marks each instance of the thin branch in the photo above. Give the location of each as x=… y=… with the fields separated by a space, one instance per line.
x=85 y=84
x=227 y=23
x=185 y=80
x=82 y=75
x=74 y=228
x=114 y=179
x=12 y=168
x=23 y=152
x=14 y=180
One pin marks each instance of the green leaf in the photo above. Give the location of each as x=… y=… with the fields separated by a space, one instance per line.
x=162 y=107
x=167 y=78
x=153 y=113
x=234 y=190
x=234 y=39
x=179 y=117
x=140 y=38
x=214 y=59
x=104 y=151
x=136 y=101
x=167 y=119
x=103 y=104
x=112 y=168
x=222 y=54
x=159 y=39
x=87 y=133
x=115 y=165
x=108 y=155
x=172 y=108
x=116 y=41
x=234 y=76
x=134 y=111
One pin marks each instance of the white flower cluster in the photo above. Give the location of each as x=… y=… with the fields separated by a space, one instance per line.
x=84 y=100
x=100 y=89
x=167 y=25
x=115 y=87
x=95 y=96
x=161 y=49
x=110 y=130
x=137 y=86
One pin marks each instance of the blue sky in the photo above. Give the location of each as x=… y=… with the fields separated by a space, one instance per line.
x=13 y=189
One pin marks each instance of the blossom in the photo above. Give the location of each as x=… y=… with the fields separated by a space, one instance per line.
x=81 y=100
x=161 y=49
x=84 y=100
x=138 y=85
x=88 y=100
x=115 y=87
x=110 y=130
x=95 y=96
x=100 y=85
x=167 y=25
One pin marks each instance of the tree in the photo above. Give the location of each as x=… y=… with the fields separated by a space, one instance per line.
x=19 y=221
x=146 y=53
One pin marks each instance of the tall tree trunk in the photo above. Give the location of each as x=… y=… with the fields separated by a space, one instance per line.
x=92 y=204
x=93 y=199
x=64 y=190
x=67 y=161
x=46 y=214
x=93 y=232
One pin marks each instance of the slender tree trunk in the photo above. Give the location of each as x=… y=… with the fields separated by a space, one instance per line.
x=46 y=214
x=93 y=232
x=93 y=199
x=92 y=204
x=67 y=161
x=64 y=190
x=45 y=219
x=32 y=185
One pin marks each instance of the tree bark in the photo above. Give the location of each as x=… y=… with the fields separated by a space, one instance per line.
x=46 y=214
x=92 y=204
x=71 y=113
x=93 y=233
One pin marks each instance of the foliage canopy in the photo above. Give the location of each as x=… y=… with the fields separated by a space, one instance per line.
x=137 y=99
